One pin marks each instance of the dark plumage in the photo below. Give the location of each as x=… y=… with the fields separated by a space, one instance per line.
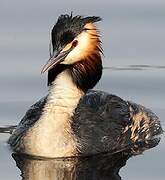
x=73 y=120
x=68 y=27
x=102 y=123
x=85 y=74
x=88 y=71
x=114 y=124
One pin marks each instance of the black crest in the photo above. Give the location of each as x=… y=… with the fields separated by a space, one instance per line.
x=87 y=72
x=68 y=27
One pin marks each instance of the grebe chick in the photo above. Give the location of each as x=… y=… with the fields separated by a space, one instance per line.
x=73 y=120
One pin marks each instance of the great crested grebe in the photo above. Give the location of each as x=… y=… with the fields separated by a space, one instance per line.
x=73 y=120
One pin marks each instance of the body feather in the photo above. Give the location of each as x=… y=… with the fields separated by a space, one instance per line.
x=101 y=123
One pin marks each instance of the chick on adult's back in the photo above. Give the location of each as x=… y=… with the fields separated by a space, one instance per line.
x=73 y=120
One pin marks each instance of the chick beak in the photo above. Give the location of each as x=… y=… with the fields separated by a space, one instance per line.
x=57 y=58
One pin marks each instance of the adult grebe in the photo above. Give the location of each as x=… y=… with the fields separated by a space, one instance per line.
x=73 y=120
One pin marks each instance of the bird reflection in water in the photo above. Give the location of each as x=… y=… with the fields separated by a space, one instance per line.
x=105 y=166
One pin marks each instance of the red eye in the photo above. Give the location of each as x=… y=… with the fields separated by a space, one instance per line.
x=74 y=44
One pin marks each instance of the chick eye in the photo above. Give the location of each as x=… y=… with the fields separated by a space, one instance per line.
x=67 y=38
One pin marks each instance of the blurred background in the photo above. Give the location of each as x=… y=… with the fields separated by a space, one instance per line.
x=133 y=33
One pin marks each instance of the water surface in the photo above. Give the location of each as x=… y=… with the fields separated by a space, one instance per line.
x=144 y=85
x=133 y=42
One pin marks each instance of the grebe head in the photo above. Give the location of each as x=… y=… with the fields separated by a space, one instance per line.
x=76 y=46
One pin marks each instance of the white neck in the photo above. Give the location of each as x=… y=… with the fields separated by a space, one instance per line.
x=63 y=93
x=53 y=132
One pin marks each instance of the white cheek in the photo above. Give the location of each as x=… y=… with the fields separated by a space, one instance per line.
x=79 y=52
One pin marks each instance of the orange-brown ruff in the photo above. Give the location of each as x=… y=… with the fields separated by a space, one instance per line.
x=73 y=120
x=86 y=59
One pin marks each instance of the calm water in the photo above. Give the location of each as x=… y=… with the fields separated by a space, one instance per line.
x=132 y=34
x=140 y=84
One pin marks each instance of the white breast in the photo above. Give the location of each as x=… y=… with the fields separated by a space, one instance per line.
x=51 y=136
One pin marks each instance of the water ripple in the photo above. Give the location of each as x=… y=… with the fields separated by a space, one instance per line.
x=137 y=67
